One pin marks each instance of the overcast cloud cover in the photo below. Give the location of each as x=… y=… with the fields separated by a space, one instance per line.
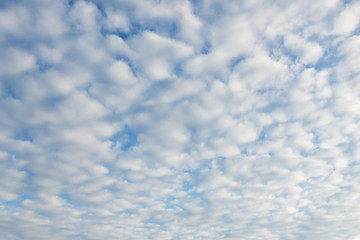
x=179 y=119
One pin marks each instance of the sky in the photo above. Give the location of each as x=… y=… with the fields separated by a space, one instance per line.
x=179 y=119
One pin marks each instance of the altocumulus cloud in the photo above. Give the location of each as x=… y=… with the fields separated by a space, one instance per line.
x=180 y=119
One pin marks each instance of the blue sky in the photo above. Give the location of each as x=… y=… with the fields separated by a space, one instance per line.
x=206 y=119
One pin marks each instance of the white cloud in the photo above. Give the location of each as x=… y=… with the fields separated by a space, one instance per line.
x=154 y=53
x=15 y=61
x=309 y=53
x=348 y=20
x=179 y=120
x=116 y=21
x=11 y=178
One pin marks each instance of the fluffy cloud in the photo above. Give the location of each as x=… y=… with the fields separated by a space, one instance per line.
x=179 y=119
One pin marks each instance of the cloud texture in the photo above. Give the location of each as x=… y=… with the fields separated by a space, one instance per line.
x=179 y=119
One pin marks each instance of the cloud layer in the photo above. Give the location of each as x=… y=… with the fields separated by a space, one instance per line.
x=179 y=119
